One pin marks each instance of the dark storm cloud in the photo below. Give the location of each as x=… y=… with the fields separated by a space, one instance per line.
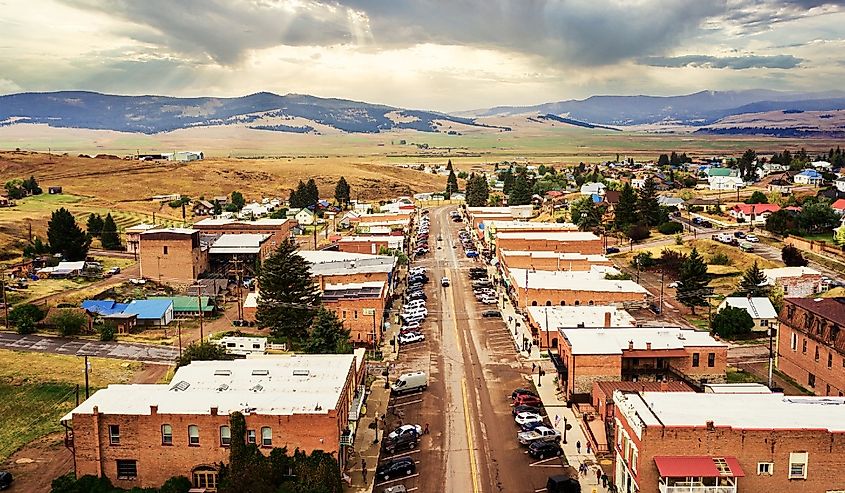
x=730 y=62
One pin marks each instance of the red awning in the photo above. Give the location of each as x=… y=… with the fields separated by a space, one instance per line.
x=698 y=466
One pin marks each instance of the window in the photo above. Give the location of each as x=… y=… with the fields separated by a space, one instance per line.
x=830 y=360
x=695 y=357
x=266 y=437
x=250 y=436
x=765 y=468
x=816 y=357
x=804 y=346
x=164 y=250
x=811 y=380
x=193 y=435
x=764 y=323
x=344 y=315
x=355 y=314
x=798 y=465
x=205 y=477
x=225 y=436
x=127 y=469
x=166 y=435
x=577 y=303
x=793 y=343
x=711 y=360
x=114 y=434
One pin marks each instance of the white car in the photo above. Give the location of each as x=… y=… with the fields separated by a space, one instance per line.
x=524 y=418
x=489 y=300
x=752 y=238
x=402 y=430
x=410 y=338
x=411 y=325
x=674 y=284
x=409 y=306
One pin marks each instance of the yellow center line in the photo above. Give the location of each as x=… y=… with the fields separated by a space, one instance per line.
x=472 y=465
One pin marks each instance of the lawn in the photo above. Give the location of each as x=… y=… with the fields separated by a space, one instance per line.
x=828 y=237
x=735 y=375
x=39 y=388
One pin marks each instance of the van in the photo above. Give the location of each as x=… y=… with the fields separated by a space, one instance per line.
x=562 y=484
x=410 y=382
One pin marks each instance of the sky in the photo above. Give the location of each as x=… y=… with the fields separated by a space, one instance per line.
x=444 y=55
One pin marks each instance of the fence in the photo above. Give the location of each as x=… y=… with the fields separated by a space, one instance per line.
x=816 y=246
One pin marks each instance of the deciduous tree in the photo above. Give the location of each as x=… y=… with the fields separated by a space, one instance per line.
x=732 y=322
x=792 y=257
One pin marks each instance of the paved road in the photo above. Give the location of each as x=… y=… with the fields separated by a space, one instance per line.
x=81 y=347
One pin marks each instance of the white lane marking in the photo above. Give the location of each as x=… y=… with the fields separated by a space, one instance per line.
x=406 y=403
x=398 y=479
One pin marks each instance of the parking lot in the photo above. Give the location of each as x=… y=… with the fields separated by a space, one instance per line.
x=472 y=368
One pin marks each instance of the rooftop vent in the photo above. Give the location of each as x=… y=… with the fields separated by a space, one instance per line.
x=182 y=385
x=260 y=373
x=257 y=388
x=222 y=373
x=301 y=373
x=222 y=388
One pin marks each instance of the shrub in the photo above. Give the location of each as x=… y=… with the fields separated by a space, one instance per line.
x=670 y=228
x=69 y=322
x=679 y=239
x=638 y=232
x=108 y=331
x=792 y=257
x=176 y=484
x=24 y=318
x=644 y=260
x=720 y=259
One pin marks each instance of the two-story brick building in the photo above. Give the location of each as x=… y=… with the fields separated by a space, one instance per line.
x=361 y=306
x=173 y=255
x=140 y=435
x=545 y=322
x=811 y=343
x=550 y=241
x=550 y=288
x=685 y=442
x=588 y=355
x=278 y=229
x=540 y=260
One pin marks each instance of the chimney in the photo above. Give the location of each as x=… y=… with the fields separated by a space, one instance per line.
x=607 y=319
x=153 y=410
x=630 y=345
x=214 y=411
x=710 y=426
x=648 y=346
x=664 y=386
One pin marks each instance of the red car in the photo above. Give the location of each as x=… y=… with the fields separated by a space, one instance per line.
x=527 y=400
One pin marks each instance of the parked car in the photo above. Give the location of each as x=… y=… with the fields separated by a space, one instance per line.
x=403 y=466
x=401 y=441
x=610 y=250
x=527 y=400
x=113 y=271
x=471 y=254
x=531 y=425
x=522 y=391
x=6 y=479
x=399 y=488
x=523 y=418
x=411 y=337
x=541 y=433
x=404 y=430
x=444 y=282
x=491 y=314
x=542 y=449
x=525 y=409
x=739 y=234
x=139 y=281
x=752 y=238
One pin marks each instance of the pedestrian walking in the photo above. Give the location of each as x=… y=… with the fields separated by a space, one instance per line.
x=604 y=480
x=425 y=431
x=589 y=448
x=598 y=475
x=364 y=469
x=578 y=446
x=533 y=367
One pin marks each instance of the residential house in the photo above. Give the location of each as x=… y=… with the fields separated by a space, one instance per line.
x=189 y=306
x=304 y=216
x=811 y=344
x=593 y=188
x=152 y=312
x=54 y=190
x=253 y=210
x=839 y=206
x=781 y=184
x=719 y=182
x=840 y=184
x=753 y=213
x=673 y=442
x=759 y=308
x=808 y=177
x=666 y=201
x=203 y=208
x=821 y=165
x=795 y=281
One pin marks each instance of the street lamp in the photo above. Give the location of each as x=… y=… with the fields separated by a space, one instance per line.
x=566 y=426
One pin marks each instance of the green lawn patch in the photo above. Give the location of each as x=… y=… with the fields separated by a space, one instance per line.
x=29 y=411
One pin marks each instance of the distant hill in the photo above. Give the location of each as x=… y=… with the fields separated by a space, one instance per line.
x=701 y=108
x=262 y=111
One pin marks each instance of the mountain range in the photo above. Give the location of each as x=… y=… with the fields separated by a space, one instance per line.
x=309 y=114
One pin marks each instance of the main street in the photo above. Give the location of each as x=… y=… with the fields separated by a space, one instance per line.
x=473 y=367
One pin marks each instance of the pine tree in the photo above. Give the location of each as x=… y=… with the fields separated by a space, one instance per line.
x=477 y=191
x=312 y=193
x=342 y=192
x=692 y=288
x=449 y=165
x=110 y=238
x=451 y=184
x=752 y=279
x=507 y=181
x=647 y=205
x=327 y=334
x=663 y=161
x=94 y=225
x=522 y=190
x=288 y=294
x=625 y=211
x=66 y=237
x=238 y=200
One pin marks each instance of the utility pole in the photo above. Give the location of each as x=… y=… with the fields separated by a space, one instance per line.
x=5 y=302
x=661 y=291
x=86 y=377
x=179 y=331
x=771 y=355
x=238 y=271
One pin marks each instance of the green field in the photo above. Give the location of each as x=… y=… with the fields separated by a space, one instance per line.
x=30 y=411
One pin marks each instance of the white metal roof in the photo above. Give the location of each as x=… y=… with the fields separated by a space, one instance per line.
x=505 y=225
x=772 y=275
x=238 y=243
x=276 y=385
x=591 y=280
x=328 y=263
x=614 y=340
x=572 y=316
x=739 y=411
x=181 y=231
x=353 y=285
x=558 y=255
x=759 y=307
x=546 y=235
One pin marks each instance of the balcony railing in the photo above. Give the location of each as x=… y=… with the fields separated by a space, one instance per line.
x=696 y=488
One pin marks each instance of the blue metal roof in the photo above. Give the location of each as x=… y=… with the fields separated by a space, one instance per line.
x=104 y=307
x=148 y=309
x=596 y=198
x=811 y=173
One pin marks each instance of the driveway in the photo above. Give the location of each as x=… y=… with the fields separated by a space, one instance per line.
x=83 y=347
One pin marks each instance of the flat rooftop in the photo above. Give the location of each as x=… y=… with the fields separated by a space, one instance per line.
x=557 y=255
x=275 y=385
x=178 y=231
x=591 y=280
x=217 y=221
x=558 y=236
x=238 y=243
x=329 y=263
x=616 y=340
x=555 y=317
x=499 y=225
x=738 y=411
x=353 y=290
x=774 y=274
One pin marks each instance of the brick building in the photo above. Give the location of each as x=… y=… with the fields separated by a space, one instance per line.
x=361 y=307
x=173 y=256
x=133 y=236
x=340 y=267
x=546 y=321
x=549 y=288
x=674 y=442
x=278 y=229
x=558 y=241
x=811 y=343
x=588 y=355
x=488 y=227
x=540 y=260
x=140 y=435
x=795 y=281
x=370 y=244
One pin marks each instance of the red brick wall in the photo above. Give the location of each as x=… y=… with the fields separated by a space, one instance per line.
x=543 y=296
x=360 y=326
x=799 y=365
x=180 y=265
x=545 y=263
x=278 y=233
x=521 y=244
x=371 y=247
x=714 y=374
